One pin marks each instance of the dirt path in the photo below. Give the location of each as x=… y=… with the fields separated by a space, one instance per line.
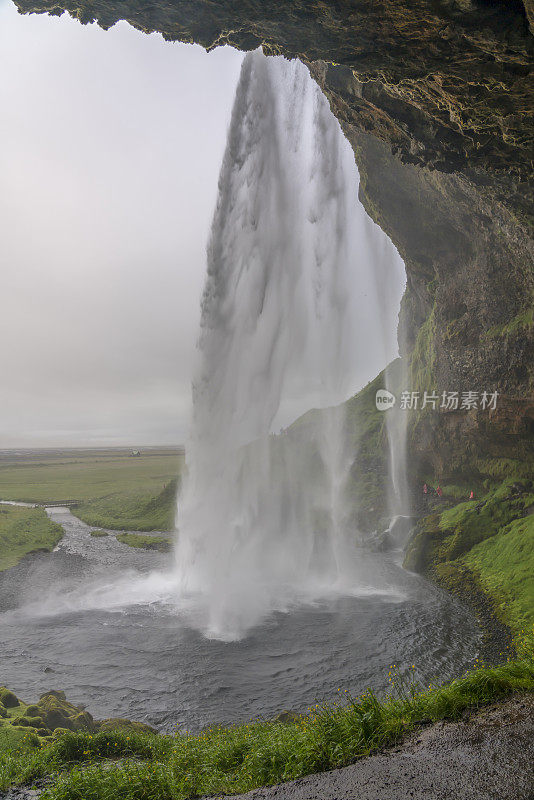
x=488 y=755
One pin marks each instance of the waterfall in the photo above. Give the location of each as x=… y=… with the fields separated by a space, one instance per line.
x=297 y=312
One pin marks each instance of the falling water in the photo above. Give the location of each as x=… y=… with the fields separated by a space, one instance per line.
x=294 y=315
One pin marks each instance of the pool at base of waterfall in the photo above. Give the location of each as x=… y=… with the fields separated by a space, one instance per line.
x=62 y=627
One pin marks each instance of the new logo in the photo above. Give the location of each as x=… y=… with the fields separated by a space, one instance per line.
x=384 y=400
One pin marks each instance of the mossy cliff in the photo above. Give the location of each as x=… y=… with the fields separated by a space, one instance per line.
x=482 y=550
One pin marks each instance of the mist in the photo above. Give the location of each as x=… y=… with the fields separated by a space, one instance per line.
x=111 y=148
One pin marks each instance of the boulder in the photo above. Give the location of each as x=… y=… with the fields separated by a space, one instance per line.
x=8 y=699
x=285 y=717
x=57 y=712
x=30 y=722
x=60 y=732
x=54 y=693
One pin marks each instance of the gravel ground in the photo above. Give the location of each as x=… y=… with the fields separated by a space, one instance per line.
x=487 y=755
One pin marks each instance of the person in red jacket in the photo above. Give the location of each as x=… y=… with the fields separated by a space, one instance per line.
x=472 y=495
x=439 y=492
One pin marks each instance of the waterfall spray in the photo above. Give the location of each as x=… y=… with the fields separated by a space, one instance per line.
x=293 y=317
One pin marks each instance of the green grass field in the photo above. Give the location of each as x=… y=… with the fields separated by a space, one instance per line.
x=23 y=531
x=112 y=488
x=80 y=476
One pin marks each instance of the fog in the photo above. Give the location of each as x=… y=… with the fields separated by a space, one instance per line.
x=111 y=148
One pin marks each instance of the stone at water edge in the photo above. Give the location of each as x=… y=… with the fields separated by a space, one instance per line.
x=8 y=699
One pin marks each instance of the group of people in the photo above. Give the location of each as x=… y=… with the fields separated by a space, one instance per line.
x=430 y=490
x=438 y=491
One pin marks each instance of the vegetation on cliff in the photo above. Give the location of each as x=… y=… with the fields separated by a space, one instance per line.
x=487 y=542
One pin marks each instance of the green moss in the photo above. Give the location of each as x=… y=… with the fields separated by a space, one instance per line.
x=23 y=531
x=504 y=469
x=493 y=539
x=98 y=534
x=423 y=360
x=8 y=698
x=522 y=321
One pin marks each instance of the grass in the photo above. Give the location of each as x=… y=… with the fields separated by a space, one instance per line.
x=112 y=490
x=240 y=758
x=161 y=543
x=23 y=531
x=138 y=511
x=492 y=539
x=88 y=477
x=504 y=565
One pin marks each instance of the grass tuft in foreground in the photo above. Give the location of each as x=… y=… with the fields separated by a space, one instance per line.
x=133 y=766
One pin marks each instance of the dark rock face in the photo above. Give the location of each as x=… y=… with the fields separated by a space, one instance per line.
x=444 y=82
x=435 y=97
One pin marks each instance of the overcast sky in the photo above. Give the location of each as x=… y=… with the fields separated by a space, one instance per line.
x=111 y=144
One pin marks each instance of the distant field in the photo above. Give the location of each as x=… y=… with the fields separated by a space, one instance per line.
x=70 y=476
x=113 y=488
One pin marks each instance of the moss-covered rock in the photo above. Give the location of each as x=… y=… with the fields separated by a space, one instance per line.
x=8 y=698
x=57 y=712
x=29 y=722
x=58 y=732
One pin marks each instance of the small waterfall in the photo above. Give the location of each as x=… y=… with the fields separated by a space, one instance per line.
x=298 y=311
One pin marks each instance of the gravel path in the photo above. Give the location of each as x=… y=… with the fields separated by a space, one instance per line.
x=488 y=755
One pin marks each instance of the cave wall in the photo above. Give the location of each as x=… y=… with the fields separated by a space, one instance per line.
x=435 y=97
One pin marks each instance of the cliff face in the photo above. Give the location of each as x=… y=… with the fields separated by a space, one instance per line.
x=435 y=97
